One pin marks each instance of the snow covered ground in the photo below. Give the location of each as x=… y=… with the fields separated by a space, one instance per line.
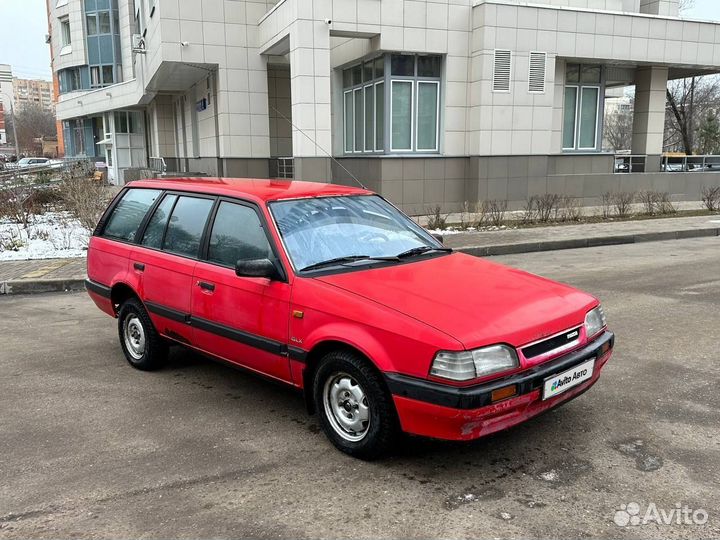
x=50 y=235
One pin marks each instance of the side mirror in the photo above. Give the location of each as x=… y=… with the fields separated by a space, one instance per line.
x=259 y=268
x=438 y=237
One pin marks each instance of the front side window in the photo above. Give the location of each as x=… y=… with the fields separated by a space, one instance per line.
x=237 y=234
x=129 y=213
x=411 y=86
x=581 y=110
x=186 y=226
x=328 y=228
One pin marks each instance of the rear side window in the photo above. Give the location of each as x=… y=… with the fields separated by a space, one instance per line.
x=156 y=227
x=186 y=226
x=237 y=234
x=129 y=212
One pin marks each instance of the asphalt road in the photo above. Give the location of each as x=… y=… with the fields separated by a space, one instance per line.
x=92 y=448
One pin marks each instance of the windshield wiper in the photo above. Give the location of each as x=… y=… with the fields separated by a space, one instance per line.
x=346 y=259
x=421 y=250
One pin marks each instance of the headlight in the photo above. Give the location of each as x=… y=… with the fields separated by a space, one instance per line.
x=595 y=321
x=466 y=365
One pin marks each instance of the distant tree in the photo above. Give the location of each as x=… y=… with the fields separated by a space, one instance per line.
x=33 y=122
x=709 y=135
x=618 y=130
x=689 y=102
x=684 y=5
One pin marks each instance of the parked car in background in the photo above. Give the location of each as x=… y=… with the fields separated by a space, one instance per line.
x=334 y=291
x=32 y=162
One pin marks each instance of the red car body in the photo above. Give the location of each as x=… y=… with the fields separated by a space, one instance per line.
x=396 y=316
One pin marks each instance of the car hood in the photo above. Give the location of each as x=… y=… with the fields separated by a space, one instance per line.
x=475 y=301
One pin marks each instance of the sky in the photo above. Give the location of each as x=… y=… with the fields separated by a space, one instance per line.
x=24 y=25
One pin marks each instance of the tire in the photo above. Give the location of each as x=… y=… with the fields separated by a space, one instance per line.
x=356 y=411
x=142 y=345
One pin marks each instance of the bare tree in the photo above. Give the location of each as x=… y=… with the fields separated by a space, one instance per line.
x=685 y=5
x=33 y=122
x=618 y=130
x=689 y=101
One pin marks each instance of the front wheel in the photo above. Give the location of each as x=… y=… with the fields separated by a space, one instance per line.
x=143 y=347
x=356 y=411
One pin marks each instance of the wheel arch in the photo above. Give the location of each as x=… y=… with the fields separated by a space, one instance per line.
x=119 y=293
x=314 y=359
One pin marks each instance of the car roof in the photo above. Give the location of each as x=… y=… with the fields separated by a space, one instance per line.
x=258 y=189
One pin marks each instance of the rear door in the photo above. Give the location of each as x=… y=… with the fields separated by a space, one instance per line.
x=166 y=258
x=241 y=319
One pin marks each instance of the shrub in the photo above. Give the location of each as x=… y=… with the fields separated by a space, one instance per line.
x=496 y=211
x=465 y=212
x=664 y=204
x=607 y=202
x=649 y=201
x=17 y=203
x=547 y=206
x=530 y=210
x=622 y=202
x=85 y=199
x=570 y=209
x=436 y=220
x=711 y=197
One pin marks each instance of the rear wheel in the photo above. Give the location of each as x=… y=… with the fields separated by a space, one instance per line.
x=143 y=347
x=356 y=411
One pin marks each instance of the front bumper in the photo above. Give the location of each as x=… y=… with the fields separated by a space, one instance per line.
x=462 y=413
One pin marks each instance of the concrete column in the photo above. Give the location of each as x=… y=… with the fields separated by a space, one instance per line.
x=310 y=98
x=649 y=116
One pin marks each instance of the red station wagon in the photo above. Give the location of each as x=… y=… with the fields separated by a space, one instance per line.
x=334 y=291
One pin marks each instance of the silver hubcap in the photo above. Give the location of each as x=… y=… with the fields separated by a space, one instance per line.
x=346 y=407
x=134 y=335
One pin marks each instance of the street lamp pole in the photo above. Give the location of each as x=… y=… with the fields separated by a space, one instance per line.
x=12 y=116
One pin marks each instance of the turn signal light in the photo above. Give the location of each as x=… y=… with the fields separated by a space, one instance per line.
x=503 y=393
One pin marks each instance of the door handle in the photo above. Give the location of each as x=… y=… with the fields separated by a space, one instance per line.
x=140 y=267
x=205 y=285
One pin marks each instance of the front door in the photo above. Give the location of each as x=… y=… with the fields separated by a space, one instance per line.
x=242 y=320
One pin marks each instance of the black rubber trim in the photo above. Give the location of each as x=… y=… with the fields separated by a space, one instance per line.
x=168 y=313
x=297 y=354
x=473 y=397
x=97 y=288
x=258 y=342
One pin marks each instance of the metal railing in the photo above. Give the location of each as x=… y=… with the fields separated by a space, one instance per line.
x=629 y=163
x=707 y=163
x=78 y=166
x=157 y=165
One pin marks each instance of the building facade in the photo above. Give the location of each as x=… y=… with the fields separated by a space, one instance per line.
x=7 y=94
x=33 y=92
x=428 y=102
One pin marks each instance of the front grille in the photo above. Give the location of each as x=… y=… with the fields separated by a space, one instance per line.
x=555 y=342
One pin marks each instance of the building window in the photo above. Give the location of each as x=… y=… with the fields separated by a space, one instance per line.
x=126 y=122
x=411 y=86
x=65 y=37
x=581 y=115
x=101 y=76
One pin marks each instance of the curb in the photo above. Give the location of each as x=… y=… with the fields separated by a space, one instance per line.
x=576 y=243
x=36 y=286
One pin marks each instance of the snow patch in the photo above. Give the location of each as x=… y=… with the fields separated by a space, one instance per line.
x=48 y=236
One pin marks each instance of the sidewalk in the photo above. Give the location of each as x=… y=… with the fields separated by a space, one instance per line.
x=55 y=275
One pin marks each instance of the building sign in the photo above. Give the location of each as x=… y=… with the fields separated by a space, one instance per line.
x=201 y=105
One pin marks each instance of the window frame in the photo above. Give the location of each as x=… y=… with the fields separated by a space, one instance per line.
x=579 y=87
x=263 y=223
x=65 y=36
x=437 y=117
x=382 y=85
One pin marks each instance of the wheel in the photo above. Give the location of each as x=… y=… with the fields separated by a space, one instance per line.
x=142 y=345
x=356 y=410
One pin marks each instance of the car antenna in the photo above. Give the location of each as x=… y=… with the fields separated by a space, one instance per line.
x=319 y=147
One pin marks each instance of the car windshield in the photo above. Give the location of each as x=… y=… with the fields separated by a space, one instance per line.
x=342 y=229
x=24 y=161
